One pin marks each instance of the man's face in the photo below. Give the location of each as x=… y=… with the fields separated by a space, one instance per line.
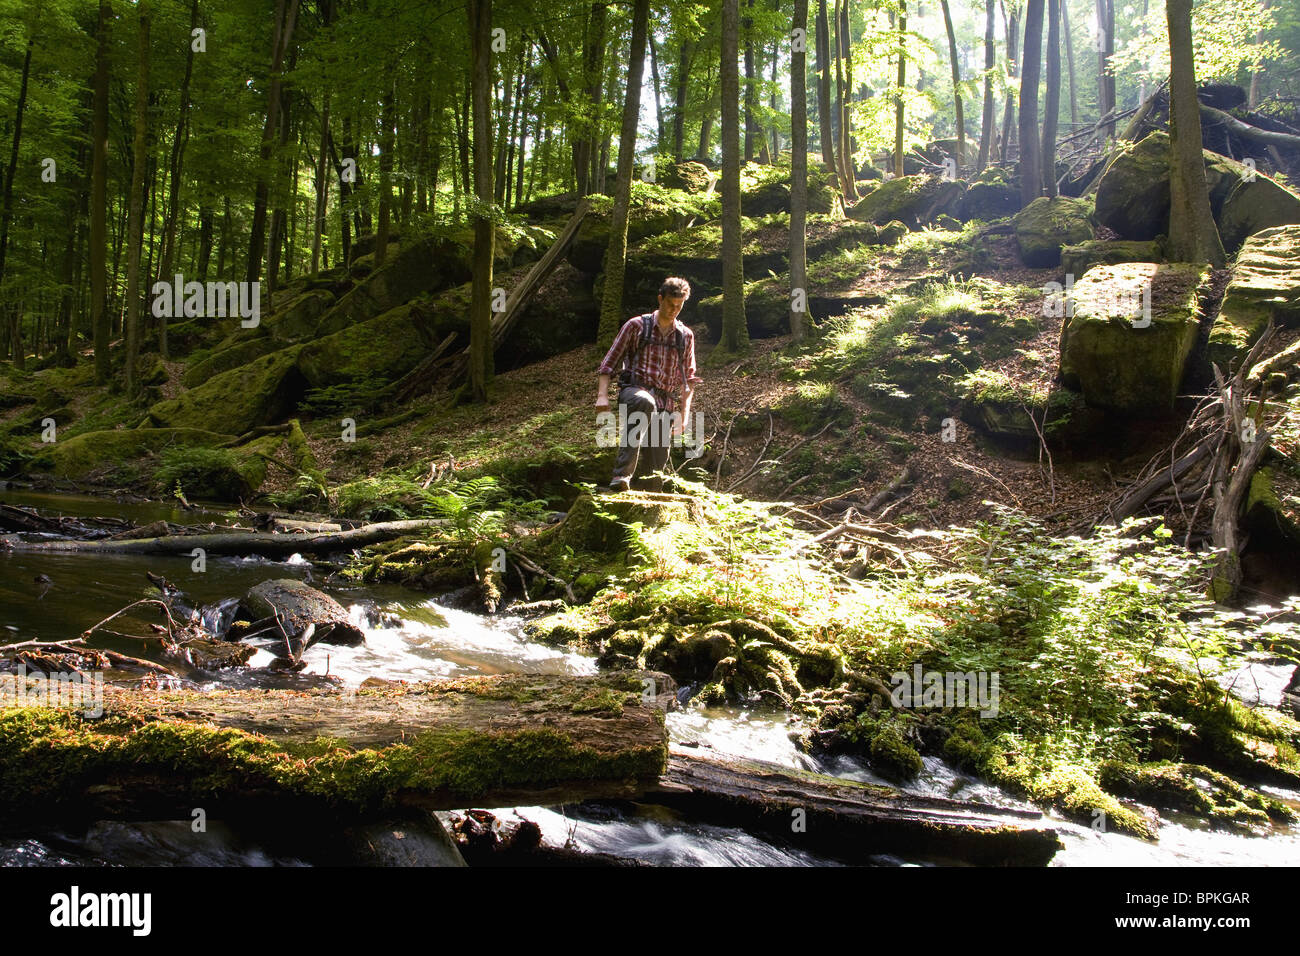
x=670 y=307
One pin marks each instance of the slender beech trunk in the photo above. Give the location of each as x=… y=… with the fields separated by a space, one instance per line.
x=986 y=119
x=1069 y=66
x=799 y=177
x=1013 y=58
x=1031 y=168
x=735 y=332
x=480 y=315
x=956 y=82
x=902 y=80
x=1052 y=96
x=611 y=307
x=823 y=69
x=135 y=221
x=99 y=201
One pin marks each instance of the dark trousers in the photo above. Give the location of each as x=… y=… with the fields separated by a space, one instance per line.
x=643 y=428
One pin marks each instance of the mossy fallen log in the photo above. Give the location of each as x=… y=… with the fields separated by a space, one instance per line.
x=267 y=544
x=849 y=820
x=333 y=755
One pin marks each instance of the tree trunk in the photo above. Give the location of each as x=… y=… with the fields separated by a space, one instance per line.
x=1105 y=49
x=1031 y=170
x=798 y=176
x=986 y=119
x=679 y=98
x=1052 y=96
x=824 y=86
x=1193 y=236
x=751 y=91
x=899 y=107
x=135 y=219
x=661 y=137
x=735 y=333
x=99 y=202
x=286 y=15
x=956 y=82
x=611 y=306
x=388 y=119
x=480 y=314
x=1013 y=58
x=1069 y=67
x=844 y=83
x=9 y=176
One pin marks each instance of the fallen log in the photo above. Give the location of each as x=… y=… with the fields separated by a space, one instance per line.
x=1246 y=131
x=332 y=755
x=1140 y=493
x=268 y=545
x=850 y=820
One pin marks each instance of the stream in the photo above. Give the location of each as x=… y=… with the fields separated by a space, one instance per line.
x=413 y=637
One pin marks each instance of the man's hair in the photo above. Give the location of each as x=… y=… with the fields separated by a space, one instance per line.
x=675 y=287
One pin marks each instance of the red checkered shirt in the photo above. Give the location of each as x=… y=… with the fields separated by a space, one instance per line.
x=656 y=365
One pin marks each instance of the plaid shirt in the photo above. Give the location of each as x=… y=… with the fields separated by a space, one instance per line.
x=656 y=366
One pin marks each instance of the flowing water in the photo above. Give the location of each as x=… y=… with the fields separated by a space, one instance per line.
x=413 y=637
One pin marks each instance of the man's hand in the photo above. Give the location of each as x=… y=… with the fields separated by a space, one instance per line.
x=602 y=394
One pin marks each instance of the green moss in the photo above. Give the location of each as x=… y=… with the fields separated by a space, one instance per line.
x=48 y=757
x=1193 y=789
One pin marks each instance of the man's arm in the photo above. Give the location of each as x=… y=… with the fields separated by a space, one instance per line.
x=613 y=358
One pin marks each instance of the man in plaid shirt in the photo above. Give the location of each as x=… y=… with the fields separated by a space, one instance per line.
x=659 y=375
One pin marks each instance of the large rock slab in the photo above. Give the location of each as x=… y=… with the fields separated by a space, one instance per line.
x=1133 y=194
x=379 y=350
x=1078 y=259
x=1265 y=285
x=1047 y=224
x=1254 y=204
x=992 y=195
x=428 y=265
x=914 y=200
x=262 y=392
x=1128 y=333
x=90 y=451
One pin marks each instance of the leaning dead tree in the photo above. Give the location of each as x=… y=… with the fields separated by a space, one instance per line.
x=1206 y=473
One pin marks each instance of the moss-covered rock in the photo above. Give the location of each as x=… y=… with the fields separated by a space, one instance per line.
x=379 y=350
x=1265 y=285
x=428 y=265
x=1128 y=333
x=1193 y=789
x=1256 y=203
x=84 y=454
x=298 y=318
x=1047 y=224
x=240 y=353
x=264 y=391
x=690 y=176
x=913 y=200
x=1133 y=193
x=992 y=195
x=1078 y=259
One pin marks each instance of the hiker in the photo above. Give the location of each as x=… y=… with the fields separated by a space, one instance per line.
x=655 y=356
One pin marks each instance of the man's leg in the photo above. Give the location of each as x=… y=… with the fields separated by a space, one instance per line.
x=658 y=447
x=636 y=408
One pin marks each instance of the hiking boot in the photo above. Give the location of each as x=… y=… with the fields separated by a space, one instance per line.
x=620 y=484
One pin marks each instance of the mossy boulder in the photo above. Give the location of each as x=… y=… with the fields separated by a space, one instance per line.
x=913 y=200
x=991 y=195
x=427 y=265
x=84 y=454
x=1256 y=203
x=1078 y=259
x=1265 y=285
x=1128 y=333
x=1270 y=506
x=1133 y=193
x=262 y=392
x=298 y=318
x=690 y=176
x=773 y=195
x=1047 y=224
x=223 y=360
x=587 y=251
x=379 y=350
